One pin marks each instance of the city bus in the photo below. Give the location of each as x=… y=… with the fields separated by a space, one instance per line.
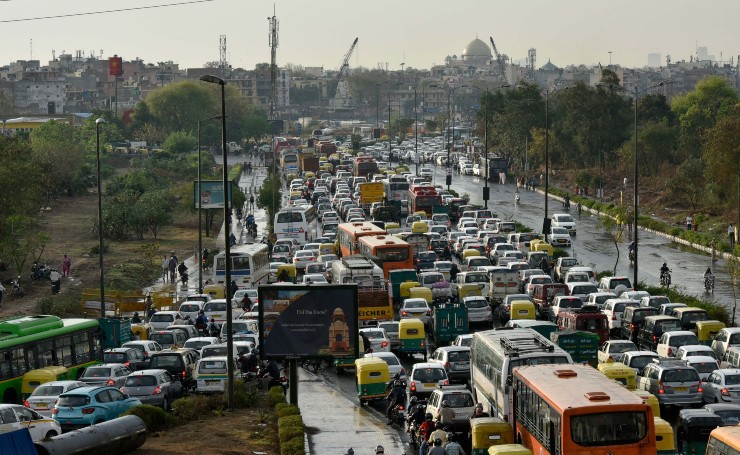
x=289 y=162
x=396 y=188
x=349 y=233
x=574 y=409
x=250 y=265
x=32 y=342
x=423 y=198
x=493 y=356
x=296 y=222
x=391 y=251
x=724 y=441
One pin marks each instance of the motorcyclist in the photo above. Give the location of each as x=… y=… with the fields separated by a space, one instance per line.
x=416 y=417
x=182 y=268
x=446 y=414
x=453 y=272
x=708 y=275
x=446 y=253
x=213 y=329
x=631 y=248
x=478 y=412
x=425 y=429
x=136 y=319
x=438 y=432
x=232 y=239
x=246 y=303
x=664 y=270
x=395 y=398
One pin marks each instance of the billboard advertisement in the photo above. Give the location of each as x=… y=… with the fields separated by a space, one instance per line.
x=308 y=321
x=211 y=194
x=115 y=66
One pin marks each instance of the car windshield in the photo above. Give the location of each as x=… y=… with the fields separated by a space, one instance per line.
x=415 y=304
x=159 y=317
x=114 y=357
x=390 y=360
x=731 y=379
x=476 y=278
x=197 y=344
x=166 y=360
x=460 y=400
x=570 y=262
x=212 y=366
x=608 y=428
x=215 y=306
x=729 y=417
x=565 y=219
x=189 y=307
x=706 y=368
x=371 y=334
x=73 y=401
x=639 y=362
x=141 y=381
x=163 y=338
x=48 y=390
x=430 y=374
x=585 y=289
x=681 y=375
x=96 y=373
x=214 y=351
x=389 y=326
x=476 y=303
x=683 y=340
x=622 y=347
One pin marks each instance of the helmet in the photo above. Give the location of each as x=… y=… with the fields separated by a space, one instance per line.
x=136 y=313
x=665 y=265
x=397 y=376
x=445 y=404
x=479 y=406
x=379 y=449
x=428 y=416
x=413 y=400
x=421 y=407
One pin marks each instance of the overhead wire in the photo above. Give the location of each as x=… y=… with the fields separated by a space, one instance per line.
x=92 y=13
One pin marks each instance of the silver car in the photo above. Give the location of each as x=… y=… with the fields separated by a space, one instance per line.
x=109 y=374
x=479 y=311
x=722 y=386
x=154 y=387
x=44 y=396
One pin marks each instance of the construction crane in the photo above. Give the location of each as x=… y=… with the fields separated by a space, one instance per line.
x=500 y=60
x=343 y=65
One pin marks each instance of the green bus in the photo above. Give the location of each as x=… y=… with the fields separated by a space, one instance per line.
x=31 y=342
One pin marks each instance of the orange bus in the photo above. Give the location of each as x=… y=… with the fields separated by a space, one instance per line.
x=574 y=409
x=392 y=252
x=349 y=233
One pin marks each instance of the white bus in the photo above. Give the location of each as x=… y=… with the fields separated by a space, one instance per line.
x=493 y=355
x=250 y=265
x=357 y=269
x=296 y=222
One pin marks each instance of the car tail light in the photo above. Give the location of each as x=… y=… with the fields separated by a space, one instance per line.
x=661 y=389
x=403 y=371
x=384 y=344
x=183 y=374
x=110 y=382
x=724 y=392
x=447 y=382
x=88 y=410
x=404 y=313
x=700 y=389
x=400 y=407
x=447 y=365
x=158 y=390
x=25 y=403
x=413 y=386
x=55 y=411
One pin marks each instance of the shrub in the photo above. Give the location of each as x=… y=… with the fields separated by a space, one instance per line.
x=276 y=395
x=155 y=419
x=285 y=409
x=292 y=447
x=192 y=407
x=288 y=432
x=294 y=420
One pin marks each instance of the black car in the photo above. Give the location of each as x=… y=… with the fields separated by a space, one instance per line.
x=438 y=246
x=425 y=260
x=131 y=357
x=180 y=363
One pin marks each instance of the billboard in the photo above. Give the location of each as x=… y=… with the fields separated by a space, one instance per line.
x=211 y=194
x=308 y=321
x=115 y=66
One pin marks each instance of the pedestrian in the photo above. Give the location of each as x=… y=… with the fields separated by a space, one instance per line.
x=149 y=305
x=66 y=265
x=56 y=281
x=689 y=222
x=172 y=264
x=2 y=292
x=152 y=311
x=165 y=269
x=731 y=235
x=232 y=289
x=251 y=202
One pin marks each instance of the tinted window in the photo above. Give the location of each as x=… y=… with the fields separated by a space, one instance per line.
x=114 y=357
x=159 y=317
x=166 y=361
x=680 y=375
x=47 y=390
x=74 y=400
x=97 y=373
x=459 y=356
x=189 y=307
x=141 y=381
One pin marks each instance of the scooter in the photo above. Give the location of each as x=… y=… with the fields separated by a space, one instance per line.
x=665 y=279
x=516 y=199
x=184 y=278
x=18 y=290
x=709 y=284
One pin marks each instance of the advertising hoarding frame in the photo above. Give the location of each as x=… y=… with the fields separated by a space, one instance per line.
x=213 y=194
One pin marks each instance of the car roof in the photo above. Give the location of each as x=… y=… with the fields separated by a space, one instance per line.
x=427 y=365
x=86 y=390
x=107 y=365
x=61 y=383
x=453 y=348
x=121 y=349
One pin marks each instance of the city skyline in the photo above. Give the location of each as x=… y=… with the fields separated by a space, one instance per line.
x=418 y=34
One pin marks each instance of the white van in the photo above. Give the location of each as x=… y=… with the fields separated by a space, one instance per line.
x=163 y=319
x=211 y=374
x=191 y=308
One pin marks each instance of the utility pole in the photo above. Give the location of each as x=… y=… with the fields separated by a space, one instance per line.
x=273 y=42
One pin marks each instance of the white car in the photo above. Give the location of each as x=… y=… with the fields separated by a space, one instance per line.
x=426 y=172
x=314 y=278
x=477 y=170
x=416 y=308
x=163 y=319
x=394 y=365
x=302 y=258
x=379 y=340
x=559 y=236
x=566 y=221
x=614 y=309
x=614 y=349
x=44 y=396
x=466 y=169
x=671 y=341
x=17 y=417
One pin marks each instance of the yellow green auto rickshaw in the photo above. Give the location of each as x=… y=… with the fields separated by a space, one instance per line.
x=420 y=292
x=650 y=399
x=489 y=431
x=405 y=288
x=469 y=290
x=707 y=330
x=290 y=272
x=664 y=441
x=35 y=378
x=522 y=309
x=412 y=337
x=620 y=373
x=141 y=331
x=509 y=449
x=372 y=377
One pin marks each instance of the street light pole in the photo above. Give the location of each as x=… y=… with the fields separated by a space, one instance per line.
x=227 y=246
x=416 y=132
x=200 y=213
x=100 y=219
x=546 y=221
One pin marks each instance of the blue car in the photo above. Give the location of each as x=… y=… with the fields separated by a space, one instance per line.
x=86 y=406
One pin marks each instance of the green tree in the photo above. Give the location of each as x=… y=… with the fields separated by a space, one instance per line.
x=400 y=126
x=21 y=192
x=60 y=155
x=179 y=106
x=656 y=143
x=270 y=193
x=255 y=124
x=720 y=154
x=179 y=142
x=700 y=109
x=687 y=183
x=155 y=210
x=22 y=241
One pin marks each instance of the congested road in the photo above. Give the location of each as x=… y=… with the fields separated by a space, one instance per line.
x=594 y=248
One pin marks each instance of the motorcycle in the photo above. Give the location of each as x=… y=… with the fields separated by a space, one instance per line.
x=18 y=290
x=398 y=414
x=252 y=230
x=709 y=284
x=631 y=255
x=40 y=272
x=516 y=199
x=665 y=279
x=184 y=278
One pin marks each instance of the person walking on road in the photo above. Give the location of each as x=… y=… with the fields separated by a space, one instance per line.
x=165 y=269
x=731 y=235
x=172 y=264
x=689 y=222
x=66 y=266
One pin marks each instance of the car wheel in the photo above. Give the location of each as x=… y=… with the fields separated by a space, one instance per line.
x=50 y=434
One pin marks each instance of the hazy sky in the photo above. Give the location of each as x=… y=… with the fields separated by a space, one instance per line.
x=415 y=32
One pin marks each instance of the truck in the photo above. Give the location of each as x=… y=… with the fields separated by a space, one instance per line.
x=309 y=163
x=373 y=294
x=233 y=147
x=370 y=192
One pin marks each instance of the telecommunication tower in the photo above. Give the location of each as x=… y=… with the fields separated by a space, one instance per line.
x=273 y=42
x=222 y=63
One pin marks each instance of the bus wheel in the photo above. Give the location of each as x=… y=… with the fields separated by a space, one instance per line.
x=10 y=396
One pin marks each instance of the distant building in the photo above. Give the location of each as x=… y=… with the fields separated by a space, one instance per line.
x=654 y=60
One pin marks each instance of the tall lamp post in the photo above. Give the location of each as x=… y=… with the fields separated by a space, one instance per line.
x=227 y=246
x=451 y=134
x=100 y=219
x=486 y=190
x=200 y=212
x=636 y=95
x=416 y=132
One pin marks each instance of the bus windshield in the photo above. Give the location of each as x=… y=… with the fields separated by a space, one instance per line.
x=396 y=254
x=608 y=428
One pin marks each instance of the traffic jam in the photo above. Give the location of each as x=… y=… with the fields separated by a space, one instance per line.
x=473 y=326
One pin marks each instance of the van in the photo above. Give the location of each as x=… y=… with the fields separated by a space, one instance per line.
x=241 y=326
x=588 y=318
x=180 y=363
x=161 y=319
x=211 y=374
x=543 y=295
x=689 y=316
x=169 y=338
x=534 y=258
x=216 y=309
x=611 y=283
x=653 y=327
x=632 y=320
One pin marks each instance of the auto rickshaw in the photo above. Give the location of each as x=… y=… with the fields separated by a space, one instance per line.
x=421 y=292
x=542 y=246
x=707 y=330
x=522 y=309
x=216 y=291
x=487 y=432
x=309 y=175
x=412 y=337
x=419 y=227
x=327 y=248
x=469 y=290
x=401 y=169
x=650 y=399
x=693 y=429
x=392 y=226
x=509 y=449
x=664 y=441
x=404 y=288
x=421 y=214
x=469 y=253
x=141 y=331
x=372 y=378
x=289 y=270
x=35 y=378
x=620 y=373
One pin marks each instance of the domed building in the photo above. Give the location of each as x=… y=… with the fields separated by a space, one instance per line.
x=477 y=53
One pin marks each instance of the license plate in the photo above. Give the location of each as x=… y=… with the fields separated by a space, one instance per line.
x=41 y=405
x=681 y=389
x=213 y=382
x=462 y=366
x=430 y=385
